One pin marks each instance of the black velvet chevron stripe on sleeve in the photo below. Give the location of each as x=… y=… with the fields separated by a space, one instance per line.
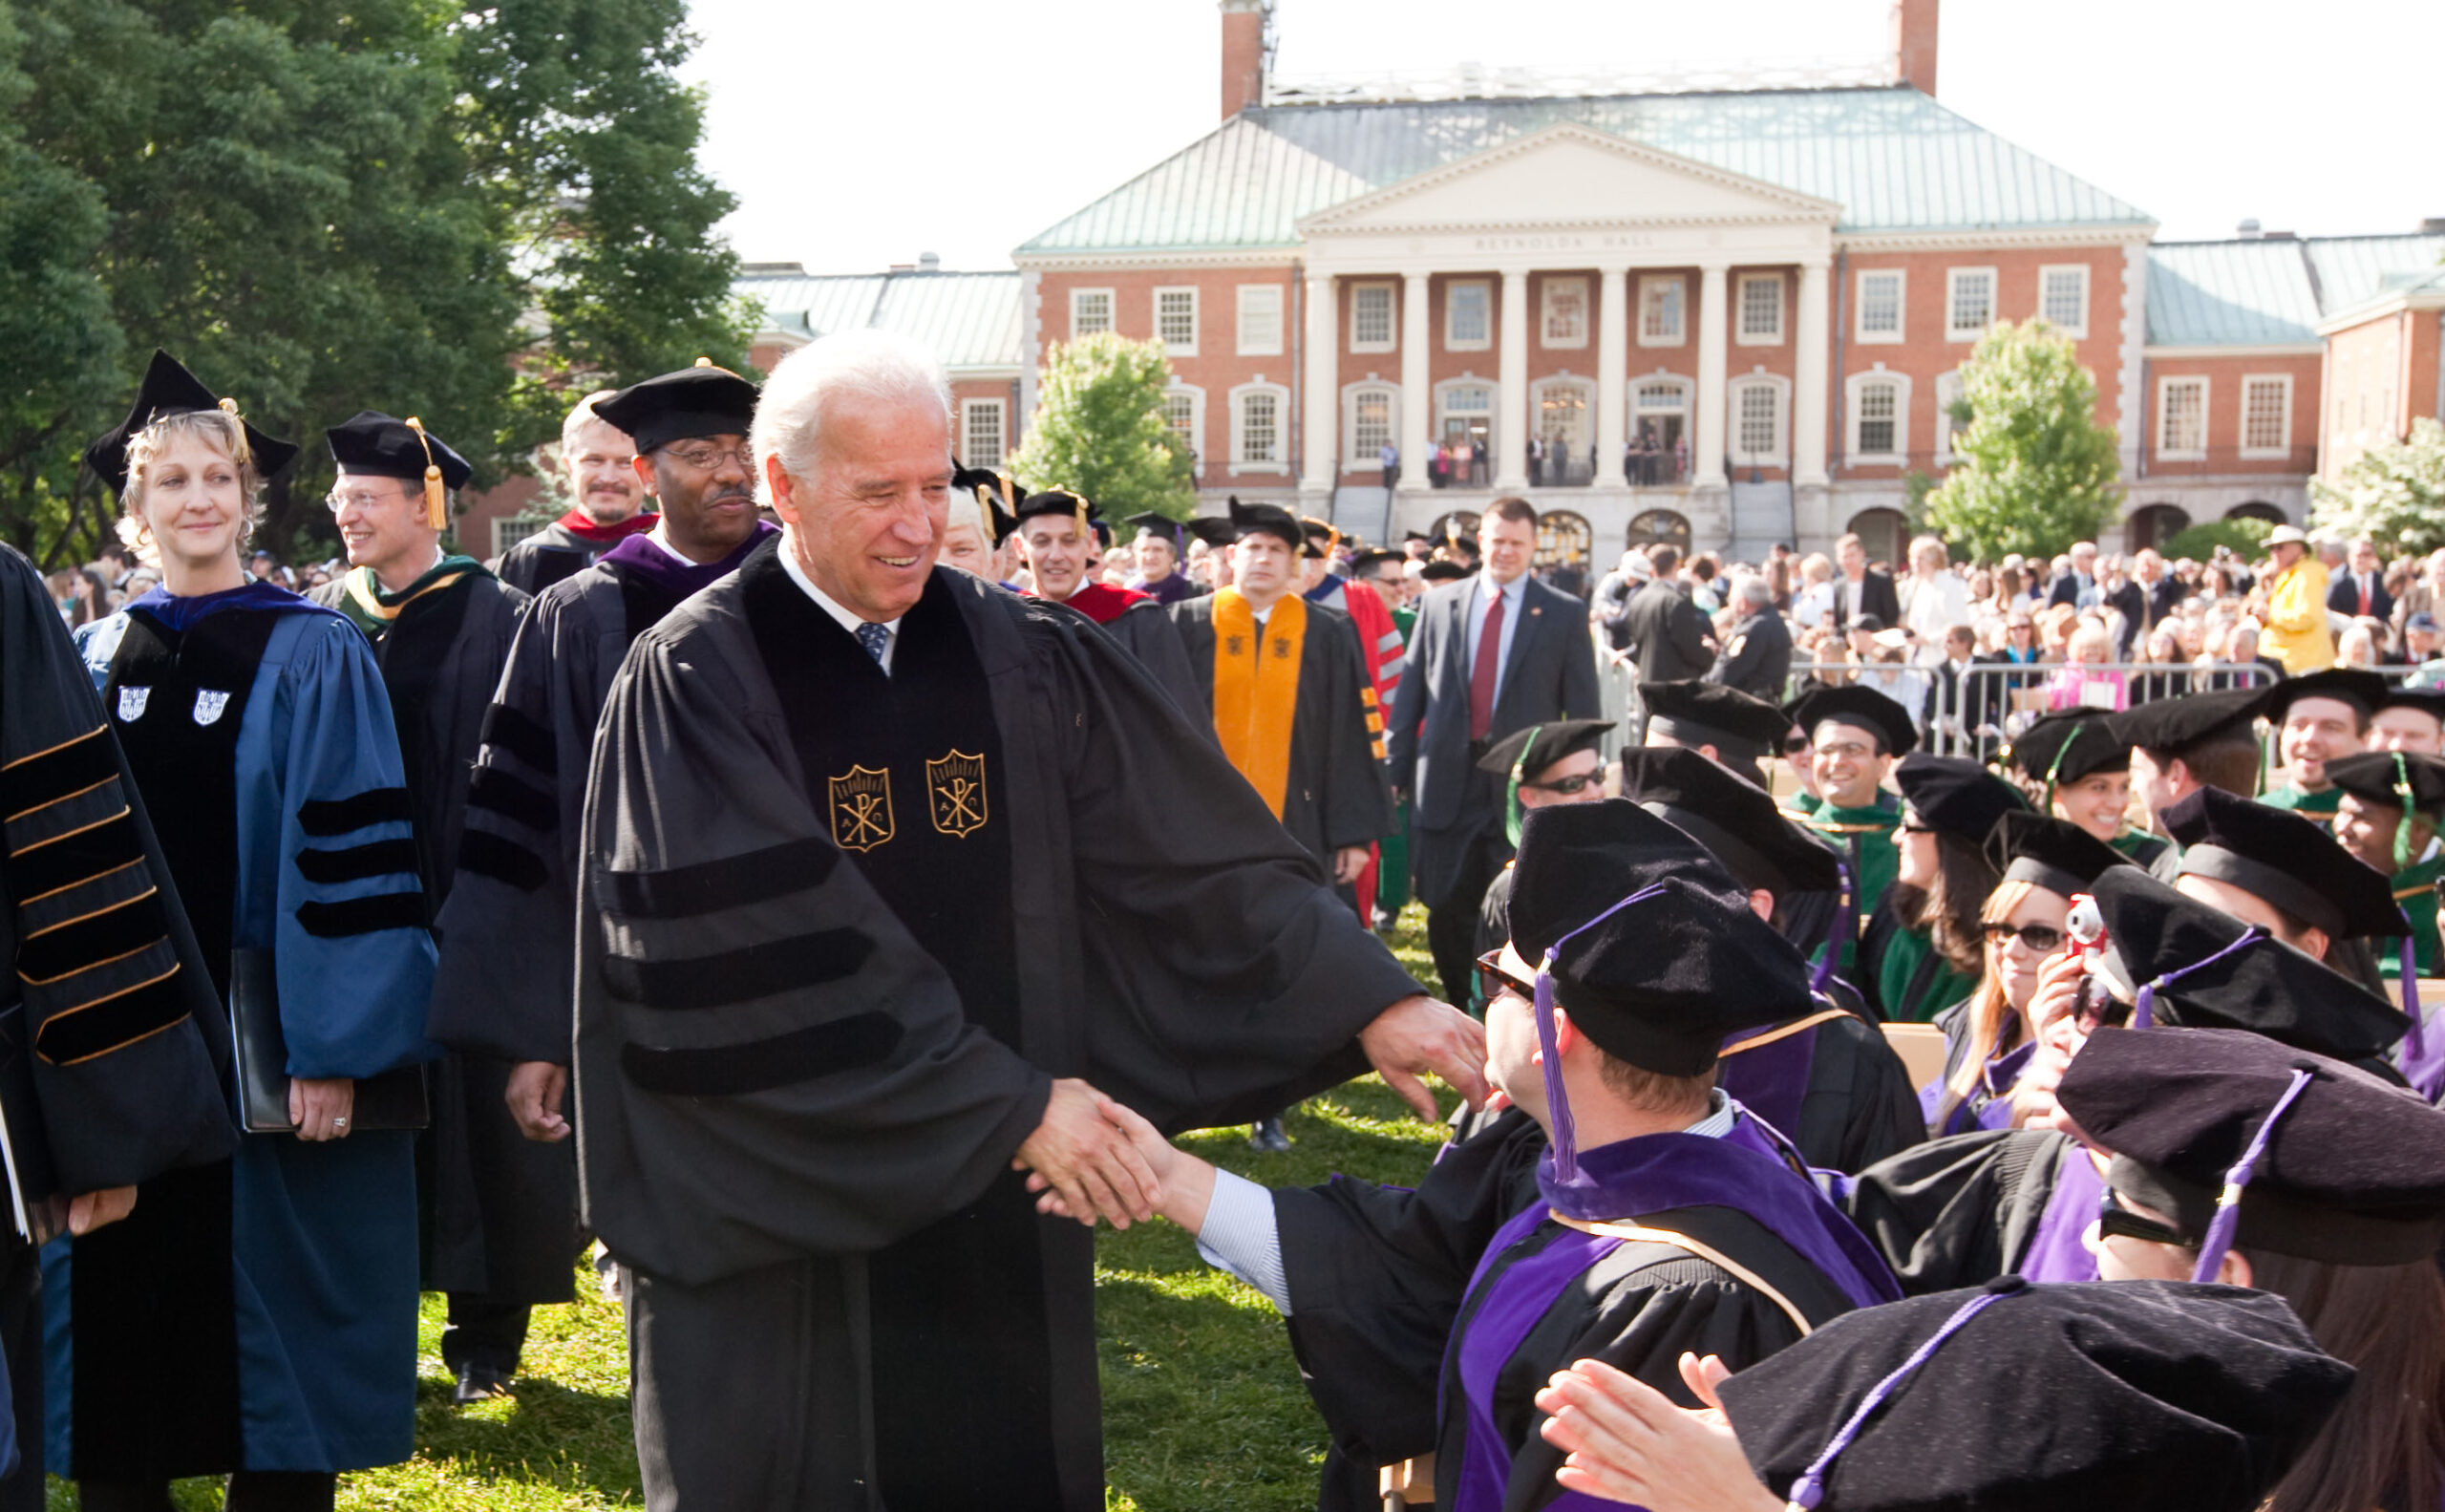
x=486 y=854
x=384 y=910
x=496 y=792
x=685 y=892
x=738 y=976
x=45 y=867
x=97 y=939
x=34 y=782
x=356 y=863
x=520 y=737
x=96 y=1028
x=379 y=805
x=731 y=1071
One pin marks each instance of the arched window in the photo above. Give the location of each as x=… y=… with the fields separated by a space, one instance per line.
x=1465 y=417
x=1460 y=522
x=1562 y=539
x=1761 y=405
x=2256 y=509
x=1879 y=406
x=1650 y=527
x=1559 y=415
x=1659 y=430
x=2153 y=525
x=1370 y=417
x=1883 y=533
x=1185 y=412
x=1261 y=428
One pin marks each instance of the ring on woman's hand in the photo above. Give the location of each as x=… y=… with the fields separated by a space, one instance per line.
x=339 y=1123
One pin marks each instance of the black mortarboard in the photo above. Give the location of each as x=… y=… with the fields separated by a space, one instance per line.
x=1322 y=540
x=1861 y=709
x=1212 y=529
x=2430 y=701
x=1661 y=982
x=2361 y=689
x=373 y=444
x=1057 y=501
x=2052 y=853
x=2174 y=726
x=995 y=490
x=1365 y=559
x=2070 y=745
x=1270 y=520
x=2353 y=1174
x=691 y=403
x=1735 y=820
x=2189 y=958
x=1743 y=726
x=2411 y=780
x=1163 y=526
x=1537 y=747
x=2126 y=1397
x=2291 y=861
x=169 y=389
x=1443 y=572
x=1955 y=795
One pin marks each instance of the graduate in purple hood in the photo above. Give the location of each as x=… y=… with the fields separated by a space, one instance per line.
x=505 y=986
x=1665 y=1220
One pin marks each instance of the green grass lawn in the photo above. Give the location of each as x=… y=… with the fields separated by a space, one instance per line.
x=1202 y=1407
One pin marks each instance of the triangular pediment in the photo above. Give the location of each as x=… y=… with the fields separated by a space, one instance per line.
x=1568 y=174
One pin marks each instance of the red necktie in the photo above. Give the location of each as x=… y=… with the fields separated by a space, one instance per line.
x=1482 y=675
x=2363 y=595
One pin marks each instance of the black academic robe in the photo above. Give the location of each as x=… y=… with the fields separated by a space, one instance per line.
x=1336 y=796
x=111 y=1095
x=774 y=1079
x=553 y=554
x=500 y=1211
x=1959 y=1211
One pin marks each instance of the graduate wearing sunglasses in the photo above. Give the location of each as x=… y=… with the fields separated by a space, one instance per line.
x=1542 y=766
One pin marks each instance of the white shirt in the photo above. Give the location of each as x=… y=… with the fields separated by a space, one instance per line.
x=842 y=617
x=1514 y=594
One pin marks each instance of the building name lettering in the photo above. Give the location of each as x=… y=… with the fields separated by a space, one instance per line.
x=1606 y=241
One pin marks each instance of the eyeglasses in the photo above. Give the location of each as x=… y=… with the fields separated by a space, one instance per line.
x=2116 y=1220
x=1796 y=745
x=361 y=499
x=1911 y=827
x=1577 y=783
x=706 y=459
x=1492 y=981
x=2042 y=938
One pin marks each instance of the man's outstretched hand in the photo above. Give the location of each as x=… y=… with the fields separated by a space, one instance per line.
x=1089 y=1158
x=1418 y=1034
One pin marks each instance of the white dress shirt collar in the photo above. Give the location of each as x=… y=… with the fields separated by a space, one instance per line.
x=840 y=616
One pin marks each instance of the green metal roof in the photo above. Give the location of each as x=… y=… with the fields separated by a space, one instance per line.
x=2274 y=292
x=1893 y=158
x=970 y=320
x=2354 y=269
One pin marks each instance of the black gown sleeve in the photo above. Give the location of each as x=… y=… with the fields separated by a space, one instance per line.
x=1955 y=1212
x=1358 y=809
x=1867 y=1096
x=111 y=1036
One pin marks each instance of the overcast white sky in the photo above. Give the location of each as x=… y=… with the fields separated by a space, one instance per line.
x=858 y=133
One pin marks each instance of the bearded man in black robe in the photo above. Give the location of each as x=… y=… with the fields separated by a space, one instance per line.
x=832 y=797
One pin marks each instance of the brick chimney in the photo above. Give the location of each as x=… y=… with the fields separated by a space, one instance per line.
x=1914 y=45
x=1243 y=54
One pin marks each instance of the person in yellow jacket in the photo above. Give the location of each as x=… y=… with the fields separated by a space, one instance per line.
x=2296 y=606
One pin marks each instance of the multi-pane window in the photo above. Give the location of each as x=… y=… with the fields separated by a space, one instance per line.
x=1371 y=425
x=2182 y=417
x=1259 y=320
x=1179 y=413
x=1176 y=320
x=1947 y=424
x=1261 y=426
x=1566 y=311
x=1758 y=424
x=1663 y=310
x=981 y=433
x=1370 y=317
x=1969 y=303
x=1467 y=323
x=1089 y=311
x=1761 y=308
x=1880 y=304
x=1880 y=417
x=2267 y=416
x=2063 y=298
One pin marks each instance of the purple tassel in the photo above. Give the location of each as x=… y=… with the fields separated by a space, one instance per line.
x=2213 y=1248
x=1845 y=925
x=2407 y=964
x=2143 y=1011
x=1565 y=1141
x=1810 y=1488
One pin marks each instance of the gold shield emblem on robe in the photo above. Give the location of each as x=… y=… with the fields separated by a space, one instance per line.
x=861 y=808
x=955 y=791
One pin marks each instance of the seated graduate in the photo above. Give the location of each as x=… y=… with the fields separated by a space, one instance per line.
x=1959 y=1211
x=2320 y=717
x=1853 y=737
x=1540 y=766
x=2408 y=719
x=2388 y=816
x=1740 y=729
x=2241 y=1160
x=1828 y=1079
x=1920 y=952
x=2078 y=769
x=2182 y=745
x=1989 y=1035
x=1669 y=1219
x=2155 y=1394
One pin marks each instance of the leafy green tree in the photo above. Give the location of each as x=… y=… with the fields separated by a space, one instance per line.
x=2395 y=494
x=2036 y=470
x=2244 y=537
x=1099 y=428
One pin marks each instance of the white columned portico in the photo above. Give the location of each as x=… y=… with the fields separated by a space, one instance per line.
x=1714 y=339
x=1612 y=364
x=1418 y=386
x=1511 y=413
x=1814 y=352
x=1321 y=428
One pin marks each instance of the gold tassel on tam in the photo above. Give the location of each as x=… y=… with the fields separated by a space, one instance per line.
x=437 y=502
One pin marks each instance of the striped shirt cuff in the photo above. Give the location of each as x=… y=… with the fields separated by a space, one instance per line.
x=1240 y=1236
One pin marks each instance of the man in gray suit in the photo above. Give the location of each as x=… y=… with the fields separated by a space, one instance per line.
x=1488 y=655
